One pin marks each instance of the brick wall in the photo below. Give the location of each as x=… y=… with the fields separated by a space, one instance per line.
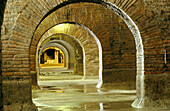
x=117 y=41
x=161 y=10
x=156 y=23
x=91 y=16
x=157 y=84
x=152 y=18
x=2 y=7
x=28 y=16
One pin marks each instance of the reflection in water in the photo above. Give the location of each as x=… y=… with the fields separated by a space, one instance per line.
x=99 y=91
x=82 y=96
x=101 y=106
x=84 y=89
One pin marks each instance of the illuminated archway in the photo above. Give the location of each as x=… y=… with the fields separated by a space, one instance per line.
x=26 y=22
x=97 y=53
x=53 y=41
x=139 y=102
x=71 y=47
x=132 y=26
x=52 y=57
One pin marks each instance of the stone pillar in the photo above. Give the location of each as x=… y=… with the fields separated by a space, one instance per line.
x=157 y=81
x=56 y=56
x=45 y=57
x=1 y=96
x=34 y=80
x=62 y=58
x=17 y=94
x=157 y=90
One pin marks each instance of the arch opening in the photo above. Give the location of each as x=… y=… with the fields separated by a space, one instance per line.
x=62 y=29
x=19 y=63
x=139 y=53
x=52 y=57
x=72 y=65
x=139 y=102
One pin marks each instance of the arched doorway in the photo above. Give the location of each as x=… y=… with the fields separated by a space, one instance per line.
x=139 y=47
x=52 y=57
x=134 y=34
x=88 y=64
x=73 y=57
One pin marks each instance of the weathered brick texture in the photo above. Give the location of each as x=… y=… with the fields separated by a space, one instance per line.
x=117 y=47
x=157 y=81
x=31 y=14
x=25 y=21
x=2 y=8
x=155 y=47
x=117 y=41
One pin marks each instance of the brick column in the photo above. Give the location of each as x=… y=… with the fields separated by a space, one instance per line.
x=45 y=57
x=34 y=80
x=17 y=94
x=2 y=7
x=157 y=77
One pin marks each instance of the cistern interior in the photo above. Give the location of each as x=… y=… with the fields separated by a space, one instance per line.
x=89 y=55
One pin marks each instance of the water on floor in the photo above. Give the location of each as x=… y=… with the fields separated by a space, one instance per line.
x=82 y=95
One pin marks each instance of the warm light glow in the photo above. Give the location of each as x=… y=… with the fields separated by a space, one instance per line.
x=52 y=57
x=61 y=28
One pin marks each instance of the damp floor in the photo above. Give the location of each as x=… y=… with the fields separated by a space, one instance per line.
x=82 y=95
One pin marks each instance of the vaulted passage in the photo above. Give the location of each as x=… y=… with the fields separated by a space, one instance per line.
x=108 y=42
x=84 y=55
x=52 y=57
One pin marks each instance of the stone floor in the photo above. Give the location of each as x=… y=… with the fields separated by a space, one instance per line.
x=82 y=95
x=55 y=69
x=59 y=77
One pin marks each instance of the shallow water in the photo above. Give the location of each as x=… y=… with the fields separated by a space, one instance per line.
x=82 y=95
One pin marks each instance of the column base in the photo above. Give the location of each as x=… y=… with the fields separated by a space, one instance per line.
x=157 y=90
x=20 y=107
x=17 y=94
x=34 y=80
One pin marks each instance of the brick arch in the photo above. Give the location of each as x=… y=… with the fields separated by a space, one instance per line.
x=61 y=47
x=59 y=17
x=26 y=35
x=61 y=42
x=73 y=47
x=91 y=63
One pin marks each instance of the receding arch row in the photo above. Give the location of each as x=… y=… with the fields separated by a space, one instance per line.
x=82 y=40
x=95 y=56
x=139 y=46
x=66 y=45
x=34 y=27
x=57 y=45
x=71 y=44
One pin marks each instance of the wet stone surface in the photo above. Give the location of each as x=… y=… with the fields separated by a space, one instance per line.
x=82 y=95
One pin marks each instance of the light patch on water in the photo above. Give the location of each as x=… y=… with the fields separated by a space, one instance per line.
x=37 y=103
x=122 y=91
x=75 y=95
x=101 y=106
x=115 y=91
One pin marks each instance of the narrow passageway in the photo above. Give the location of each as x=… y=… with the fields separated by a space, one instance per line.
x=84 y=55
